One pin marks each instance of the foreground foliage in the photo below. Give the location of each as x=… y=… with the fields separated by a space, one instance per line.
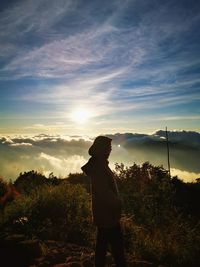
x=51 y=212
x=160 y=214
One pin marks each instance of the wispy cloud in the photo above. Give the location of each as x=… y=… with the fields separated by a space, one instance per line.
x=128 y=56
x=33 y=15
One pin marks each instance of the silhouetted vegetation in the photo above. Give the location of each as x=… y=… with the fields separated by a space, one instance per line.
x=32 y=180
x=161 y=214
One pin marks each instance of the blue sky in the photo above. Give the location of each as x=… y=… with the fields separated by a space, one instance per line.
x=130 y=66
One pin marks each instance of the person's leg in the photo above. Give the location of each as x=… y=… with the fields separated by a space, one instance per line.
x=101 y=247
x=117 y=246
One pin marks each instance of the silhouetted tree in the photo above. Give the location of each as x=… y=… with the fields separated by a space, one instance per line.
x=29 y=181
x=147 y=193
x=53 y=180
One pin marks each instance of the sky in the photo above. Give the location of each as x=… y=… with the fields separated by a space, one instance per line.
x=91 y=67
x=74 y=69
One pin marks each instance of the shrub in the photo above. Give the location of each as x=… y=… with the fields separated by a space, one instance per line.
x=52 y=212
x=29 y=181
x=147 y=193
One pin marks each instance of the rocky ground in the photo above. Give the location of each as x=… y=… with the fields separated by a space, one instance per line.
x=16 y=251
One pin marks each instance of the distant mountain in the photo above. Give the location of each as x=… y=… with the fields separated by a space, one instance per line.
x=187 y=137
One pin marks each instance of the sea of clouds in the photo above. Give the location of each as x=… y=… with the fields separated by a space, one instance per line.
x=66 y=154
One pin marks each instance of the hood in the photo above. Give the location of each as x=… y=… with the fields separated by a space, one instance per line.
x=88 y=167
x=94 y=163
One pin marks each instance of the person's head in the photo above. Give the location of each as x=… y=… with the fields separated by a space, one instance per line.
x=101 y=147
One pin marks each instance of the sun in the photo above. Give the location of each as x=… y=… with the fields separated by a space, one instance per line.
x=80 y=116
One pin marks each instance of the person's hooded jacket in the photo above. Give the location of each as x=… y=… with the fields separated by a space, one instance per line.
x=106 y=205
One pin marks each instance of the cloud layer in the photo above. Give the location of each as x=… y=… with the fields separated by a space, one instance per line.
x=65 y=154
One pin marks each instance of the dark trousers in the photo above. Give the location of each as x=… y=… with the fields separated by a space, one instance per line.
x=113 y=237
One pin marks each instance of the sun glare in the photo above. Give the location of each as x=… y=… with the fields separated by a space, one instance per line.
x=80 y=116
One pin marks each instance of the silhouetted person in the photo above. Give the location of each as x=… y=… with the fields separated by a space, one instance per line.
x=106 y=205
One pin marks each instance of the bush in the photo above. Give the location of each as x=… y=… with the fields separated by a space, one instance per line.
x=52 y=212
x=28 y=181
x=147 y=193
